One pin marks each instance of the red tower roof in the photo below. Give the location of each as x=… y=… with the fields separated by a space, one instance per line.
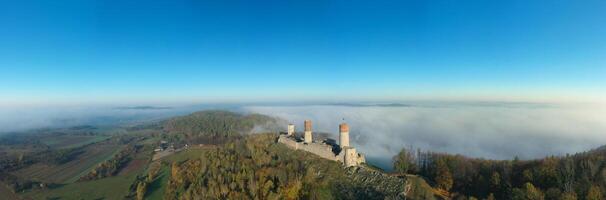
x=343 y=127
x=307 y=125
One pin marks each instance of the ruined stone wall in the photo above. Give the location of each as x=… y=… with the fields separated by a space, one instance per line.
x=361 y=158
x=288 y=142
x=394 y=187
x=320 y=149
x=348 y=156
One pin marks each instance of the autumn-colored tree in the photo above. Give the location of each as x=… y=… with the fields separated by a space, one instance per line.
x=594 y=193
x=568 y=196
x=405 y=162
x=529 y=192
x=443 y=176
x=495 y=181
x=291 y=191
x=558 y=176
x=174 y=169
x=490 y=197
x=141 y=189
x=553 y=194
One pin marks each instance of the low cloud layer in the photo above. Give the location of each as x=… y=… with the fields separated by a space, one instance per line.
x=25 y=118
x=495 y=131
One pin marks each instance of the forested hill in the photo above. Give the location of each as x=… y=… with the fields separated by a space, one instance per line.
x=216 y=125
x=570 y=177
x=256 y=167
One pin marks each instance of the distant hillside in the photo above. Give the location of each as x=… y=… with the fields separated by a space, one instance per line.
x=217 y=125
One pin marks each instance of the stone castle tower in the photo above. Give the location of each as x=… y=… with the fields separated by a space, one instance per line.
x=308 y=136
x=350 y=155
x=327 y=148
x=291 y=129
x=343 y=135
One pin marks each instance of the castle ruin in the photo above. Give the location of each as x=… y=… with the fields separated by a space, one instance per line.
x=343 y=152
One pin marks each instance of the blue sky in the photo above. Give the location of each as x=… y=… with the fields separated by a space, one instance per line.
x=163 y=51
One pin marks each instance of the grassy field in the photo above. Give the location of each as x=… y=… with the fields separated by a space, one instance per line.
x=116 y=187
x=72 y=170
x=156 y=189
x=8 y=150
x=71 y=141
x=186 y=154
x=138 y=163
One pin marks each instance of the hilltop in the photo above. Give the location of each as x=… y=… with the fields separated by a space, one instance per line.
x=256 y=167
x=209 y=155
x=216 y=126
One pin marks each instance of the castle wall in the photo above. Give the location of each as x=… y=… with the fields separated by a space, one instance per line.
x=288 y=142
x=348 y=155
x=322 y=150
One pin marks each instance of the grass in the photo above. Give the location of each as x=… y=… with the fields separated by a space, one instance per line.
x=420 y=188
x=184 y=155
x=99 y=159
x=116 y=187
x=71 y=171
x=71 y=141
x=139 y=161
x=156 y=189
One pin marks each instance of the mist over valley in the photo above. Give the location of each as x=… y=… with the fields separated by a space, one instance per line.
x=381 y=130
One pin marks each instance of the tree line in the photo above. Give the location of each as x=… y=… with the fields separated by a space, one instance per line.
x=578 y=176
x=213 y=126
x=112 y=166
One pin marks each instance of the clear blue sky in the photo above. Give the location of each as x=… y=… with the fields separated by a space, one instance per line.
x=113 y=51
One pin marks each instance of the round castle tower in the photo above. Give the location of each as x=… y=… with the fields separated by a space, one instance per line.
x=343 y=135
x=308 y=135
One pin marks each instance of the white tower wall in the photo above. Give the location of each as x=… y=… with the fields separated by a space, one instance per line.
x=291 y=129
x=351 y=157
x=343 y=135
x=308 y=135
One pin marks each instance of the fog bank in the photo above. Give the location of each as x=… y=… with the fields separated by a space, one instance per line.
x=487 y=130
x=495 y=131
x=15 y=119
